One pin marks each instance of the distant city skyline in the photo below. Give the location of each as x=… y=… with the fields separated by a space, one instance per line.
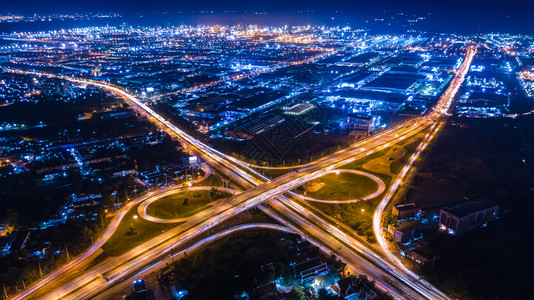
x=469 y=21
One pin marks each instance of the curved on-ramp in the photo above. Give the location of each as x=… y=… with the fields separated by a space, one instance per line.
x=142 y=209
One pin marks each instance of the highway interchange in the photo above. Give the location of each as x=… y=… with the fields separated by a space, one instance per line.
x=74 y=281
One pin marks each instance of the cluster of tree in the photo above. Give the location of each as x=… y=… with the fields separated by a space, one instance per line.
x=19 y=268
x=150 y=156
x=234 y=265
x=352 y=215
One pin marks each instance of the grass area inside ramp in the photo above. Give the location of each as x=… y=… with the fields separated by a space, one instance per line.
x=132 y=232
x=184 y=204
x=342 y=186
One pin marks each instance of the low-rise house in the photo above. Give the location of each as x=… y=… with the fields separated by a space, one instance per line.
x=311 y=268
x=268 y=291
x=179 y=290
x=141 y=291
x=346 y=288
x=366 y=293
x=423 y=255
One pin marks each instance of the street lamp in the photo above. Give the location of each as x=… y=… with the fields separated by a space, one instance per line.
x=337 y=180
x=135 y=223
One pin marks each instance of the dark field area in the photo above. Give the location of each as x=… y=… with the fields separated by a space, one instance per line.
x=492 y=159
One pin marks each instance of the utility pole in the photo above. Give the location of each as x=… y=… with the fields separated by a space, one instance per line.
x=67 y=251
x=5 y=291
x=40 y=271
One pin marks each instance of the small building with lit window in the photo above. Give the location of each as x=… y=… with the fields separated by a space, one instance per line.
x=467 y=216
x=361 y=122
x=404 y=211
x=406 y=231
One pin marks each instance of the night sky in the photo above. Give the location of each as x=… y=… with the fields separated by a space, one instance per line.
x=493 y=6
x=488 y=15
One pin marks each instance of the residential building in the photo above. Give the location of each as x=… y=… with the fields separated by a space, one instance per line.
x=311 y=268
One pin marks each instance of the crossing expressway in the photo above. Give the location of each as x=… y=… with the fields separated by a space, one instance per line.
x=75 y=284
